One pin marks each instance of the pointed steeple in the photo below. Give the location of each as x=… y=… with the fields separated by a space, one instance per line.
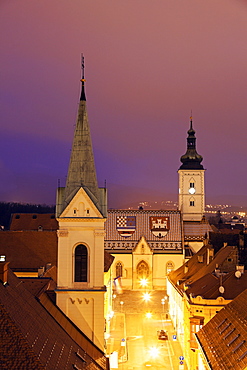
x=191 y=160
x=81 y=172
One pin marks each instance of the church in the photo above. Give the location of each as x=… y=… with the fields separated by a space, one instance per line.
x=96 y=251
x=146 y=245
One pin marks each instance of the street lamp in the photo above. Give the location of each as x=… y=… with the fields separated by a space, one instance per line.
x=121 y=303
x=146 y=297
x=163 y=303
x=143 y=282
x=148 y=315
x=154 y=352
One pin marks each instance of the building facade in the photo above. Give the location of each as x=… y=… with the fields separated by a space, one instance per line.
x=146 y=244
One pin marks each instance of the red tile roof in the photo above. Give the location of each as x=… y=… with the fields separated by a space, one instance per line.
x=33 y=221
x=29 y=250
x=224 y=338
x=208 y=286
x=35 y=334
x=200 y=264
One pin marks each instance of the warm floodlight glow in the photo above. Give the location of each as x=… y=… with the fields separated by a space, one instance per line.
x=154 y=352
x=148 y=315
x=146 y=297
x=143 y=282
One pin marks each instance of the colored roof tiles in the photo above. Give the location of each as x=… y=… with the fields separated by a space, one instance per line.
x=161 y=229
x=195 y=230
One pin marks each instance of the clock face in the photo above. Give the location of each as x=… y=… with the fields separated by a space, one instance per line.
x=192 y=190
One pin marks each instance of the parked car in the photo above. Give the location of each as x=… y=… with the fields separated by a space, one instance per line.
x=162 y=334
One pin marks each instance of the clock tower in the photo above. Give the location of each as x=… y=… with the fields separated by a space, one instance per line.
x=191 y=201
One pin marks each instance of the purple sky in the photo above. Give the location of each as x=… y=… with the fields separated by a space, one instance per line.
x=148 y=63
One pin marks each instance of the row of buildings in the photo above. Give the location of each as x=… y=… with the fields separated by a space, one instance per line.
x=58 y=271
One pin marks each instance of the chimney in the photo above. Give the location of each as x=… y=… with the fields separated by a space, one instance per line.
x=41 y=271
x=48 y=266
x=4 y=267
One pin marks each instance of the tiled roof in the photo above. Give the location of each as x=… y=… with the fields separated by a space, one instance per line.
x=172 y=241
x=200 y=264
x=37 y=286
x=108 y=259
x=29 y=250
x=33 y=221
x=195 y=230
x=35 y=334
x=224 y=338
x=208 y=286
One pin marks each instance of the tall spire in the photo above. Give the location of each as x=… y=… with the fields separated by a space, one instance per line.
x=191 y=159
x=81 y=172
x=83 y=95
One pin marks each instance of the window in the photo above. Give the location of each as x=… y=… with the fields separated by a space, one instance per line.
x=192 y=203
x=119 y=269
x=142 y=270
x=81 y=262
x=192 y=184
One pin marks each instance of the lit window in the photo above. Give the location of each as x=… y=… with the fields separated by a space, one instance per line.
x=2 y=258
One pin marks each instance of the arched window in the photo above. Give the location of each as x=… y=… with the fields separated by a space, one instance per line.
x=169 y=267
x=142 y=270
x=81 y=263
x=119 y=269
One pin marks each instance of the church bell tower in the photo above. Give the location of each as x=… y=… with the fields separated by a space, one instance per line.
x=191 y=181
x=81 y=214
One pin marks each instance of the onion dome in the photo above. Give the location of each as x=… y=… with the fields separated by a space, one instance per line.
x=191 y=160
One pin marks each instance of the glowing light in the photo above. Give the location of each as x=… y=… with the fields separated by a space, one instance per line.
x=154 y=352
x=143 y=282
x=148 y=315
x=146 y=297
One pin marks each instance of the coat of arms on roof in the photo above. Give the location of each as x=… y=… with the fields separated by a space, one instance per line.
x=126 y=225
x=159 y=225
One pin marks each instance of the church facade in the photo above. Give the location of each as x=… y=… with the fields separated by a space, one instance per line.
x=146 y=244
